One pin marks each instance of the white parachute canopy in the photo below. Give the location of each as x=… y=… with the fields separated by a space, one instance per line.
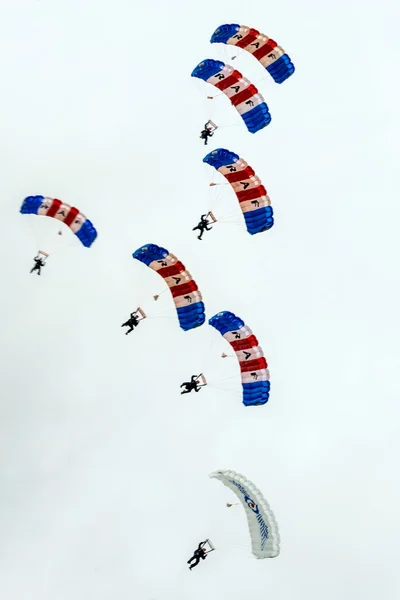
x=263 y=527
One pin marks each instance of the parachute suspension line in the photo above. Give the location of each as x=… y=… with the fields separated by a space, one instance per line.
x=224 y=379
x=230 y=125
x=225 y=389
x=162 y=317
x=236 y=223
x=216 y=189
x=229 y=379
x=231 y=220
x=167 y=311
x=217 y=200
x=207 y=356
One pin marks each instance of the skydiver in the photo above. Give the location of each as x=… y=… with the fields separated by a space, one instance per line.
x=191 y=385
x=132 y=322
x=39 y=263
x=202 y=226
x=206 y=133
x=200 y=553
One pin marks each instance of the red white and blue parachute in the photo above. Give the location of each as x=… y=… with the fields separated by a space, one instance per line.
x=69 y=215
x=187 y=297
x=253 y=366
x=244 y=96
x=251 y=194
x=263 y=528
x=272 y=57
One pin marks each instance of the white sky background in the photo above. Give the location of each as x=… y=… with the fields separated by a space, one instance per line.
x=104 y=488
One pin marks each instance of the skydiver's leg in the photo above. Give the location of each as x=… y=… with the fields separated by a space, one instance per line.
x=186 y=391
x=201 y=234
x=129 y=330
x=126 y=324
x=196 y=559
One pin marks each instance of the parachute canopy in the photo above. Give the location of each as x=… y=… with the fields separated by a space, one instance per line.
x=253 y=366
x=263 y=527
x=69 y=215
x=187 y=297
x=272 y=57
x=252 y=195
x=244 y=96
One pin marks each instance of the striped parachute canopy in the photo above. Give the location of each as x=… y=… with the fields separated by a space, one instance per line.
x=272 y=57
x=244 y=96
x=69 y=215
x=187 y=297
x=264 y=533
x=253 y=366
x=251 y=194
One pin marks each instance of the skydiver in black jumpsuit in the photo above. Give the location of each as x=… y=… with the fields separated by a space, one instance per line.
x=191 y=385
x=132 y=322
x=200 y=553
x=206 y=133
x=202 y=226
x=39 y=263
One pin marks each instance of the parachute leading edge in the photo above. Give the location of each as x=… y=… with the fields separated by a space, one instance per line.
x=264 y=533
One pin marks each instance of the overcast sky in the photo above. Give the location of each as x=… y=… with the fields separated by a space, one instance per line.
x=104 y=488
